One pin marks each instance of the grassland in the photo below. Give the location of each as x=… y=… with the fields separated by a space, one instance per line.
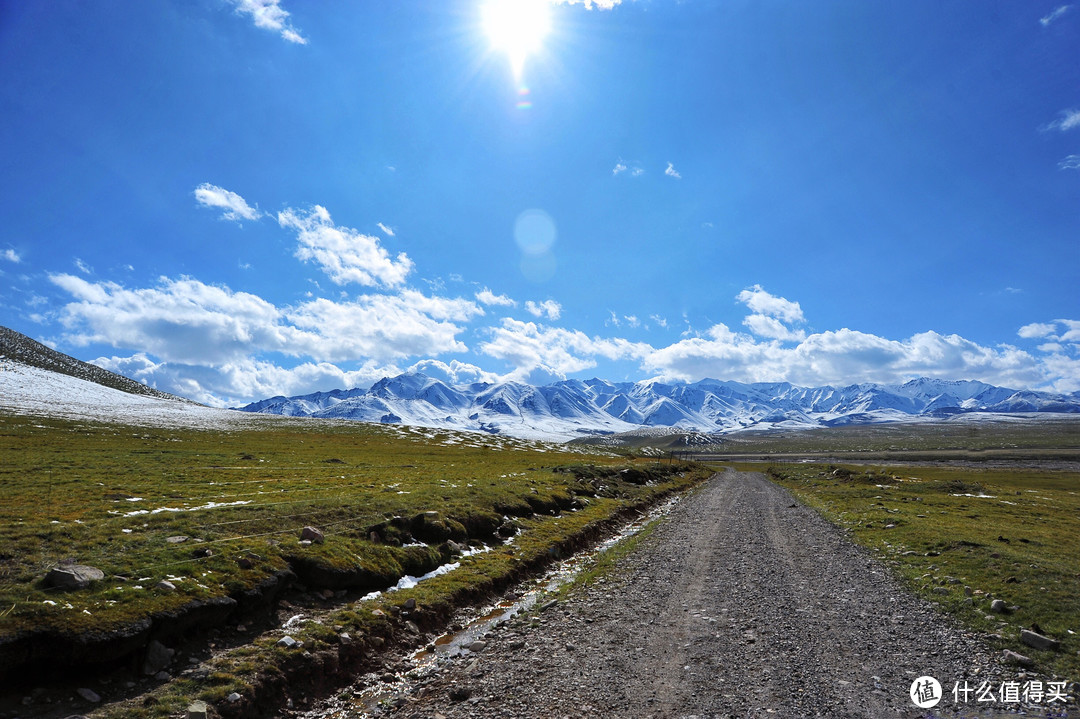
x=113 y=497
x=962 y=536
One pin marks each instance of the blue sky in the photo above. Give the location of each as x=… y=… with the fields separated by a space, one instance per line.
x=232 y=199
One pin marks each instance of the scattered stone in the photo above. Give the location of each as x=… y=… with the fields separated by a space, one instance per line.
x=163 y=676
x=377 y=641
x=454 y=547
x=158 y=656
x=203 y=552
x=409 y=604
x=288 y=642
x=1011 y=657
x=88 y=694
x=941 y=590
x=548 y=604
x=312 y=534
x=305 y=542
x=233 y=698
x=460 y=694
x=165 y=585
x=411 y=627
x=244 y=563
x=196 y=710
x=178 y=539
x=72 y=576
x=1038 y=641
x=998 y=606
x=477 y=646
x=389 y=677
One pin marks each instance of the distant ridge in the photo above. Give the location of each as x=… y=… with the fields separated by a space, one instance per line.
x=20 y=348
x=583 y=408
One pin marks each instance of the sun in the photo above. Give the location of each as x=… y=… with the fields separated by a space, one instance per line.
x=517 y=27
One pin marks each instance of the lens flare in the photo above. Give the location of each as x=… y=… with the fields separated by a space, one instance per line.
x=524 y=101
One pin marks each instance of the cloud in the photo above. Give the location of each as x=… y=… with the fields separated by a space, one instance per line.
x=619 y=167
x=269 y=15
x=386 y=230
x=763 y=303
x=11 y=256
x=83 y=267
x=660 y=321
x=549 y=308
x=1072 y=162
x=672 y=172
x=235 y=207
x=454 y=372
x=530 y=348
x=244 y=380
x=1069 y=120
x=489 y=298
x=344 y=254
x=1037 y=329
x=772 y=328
x=189 y=322
x=843 y=357
x=1054 y=15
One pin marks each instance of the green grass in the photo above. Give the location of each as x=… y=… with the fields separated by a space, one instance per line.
x=1018 y=543
x=88 y=492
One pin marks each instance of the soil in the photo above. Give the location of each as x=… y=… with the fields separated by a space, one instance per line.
x=742 y=603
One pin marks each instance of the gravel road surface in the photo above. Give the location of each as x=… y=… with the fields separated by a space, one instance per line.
x=742 y=603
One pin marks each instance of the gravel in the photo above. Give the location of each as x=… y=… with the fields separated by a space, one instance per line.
x=742 y=603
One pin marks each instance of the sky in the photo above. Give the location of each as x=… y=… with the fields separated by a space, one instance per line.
x=235 y=199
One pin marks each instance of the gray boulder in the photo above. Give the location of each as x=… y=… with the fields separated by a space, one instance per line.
x=311 y=534
x=69 y=575
x=1038 y=641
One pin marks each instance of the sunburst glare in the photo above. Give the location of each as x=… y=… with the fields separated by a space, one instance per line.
x=517 y=27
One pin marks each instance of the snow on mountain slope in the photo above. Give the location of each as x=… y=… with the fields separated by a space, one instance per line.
x=45 y=393
x=575 y=408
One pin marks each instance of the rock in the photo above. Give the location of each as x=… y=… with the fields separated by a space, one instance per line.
x=477 y=646
x=158 y=656
x=288 y=642
x=455 y=547
x=89 y=695
x=1011 y=657
x=460 y=694
x=163 y=676
x=409 y=604
x=196 y=710
x=389 y=677
x=411 y=627
x=941 y=590
x=178 y=539
x=312 y=534
x=998 y=606
x=165 y=585
x=233 y=698
x=203 y=552
x=244 y=563
x=1038 y=641
x=72 y=576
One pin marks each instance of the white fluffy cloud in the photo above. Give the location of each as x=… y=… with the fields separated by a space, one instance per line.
x=529 y=347
x=1037 y=329
x=843 y=357
x=453 y=372
x=189 y=322
x=269 y=15
x=243 y=380
x=548 y=308
x=11 y=256
x=489 y=298
x=234 y=206
x=344 y=254
x=761 y=302
x=672 y=172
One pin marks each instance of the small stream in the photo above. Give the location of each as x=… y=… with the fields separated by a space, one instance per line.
x=454 y=644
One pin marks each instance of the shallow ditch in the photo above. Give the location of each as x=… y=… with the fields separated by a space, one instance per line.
x=372 y=691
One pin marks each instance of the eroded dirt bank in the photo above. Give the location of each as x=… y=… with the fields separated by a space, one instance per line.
x=741 y=604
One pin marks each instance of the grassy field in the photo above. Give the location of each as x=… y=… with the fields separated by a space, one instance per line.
x=112 y=497
x=962 y=537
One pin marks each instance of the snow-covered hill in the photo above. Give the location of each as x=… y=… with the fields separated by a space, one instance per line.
x=575 y=408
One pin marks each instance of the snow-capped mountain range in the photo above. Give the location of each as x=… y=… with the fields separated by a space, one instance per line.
x=581 y=408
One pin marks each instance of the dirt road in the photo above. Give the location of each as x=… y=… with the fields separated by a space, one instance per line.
x=741 y=604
